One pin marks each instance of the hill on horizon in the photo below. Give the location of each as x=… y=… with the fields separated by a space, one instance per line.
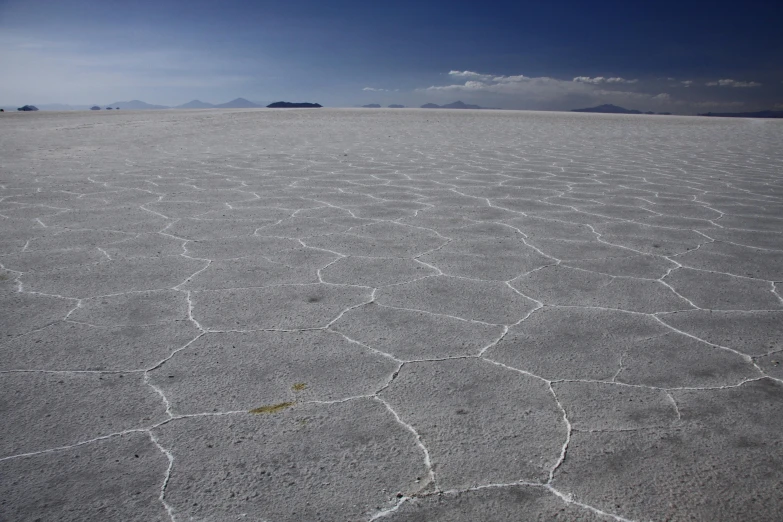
x=293 y=105
x=195 y=104
x=238 y=103
x=757 y=114
x=454 y=105
x=136 y=105
x=608 y=108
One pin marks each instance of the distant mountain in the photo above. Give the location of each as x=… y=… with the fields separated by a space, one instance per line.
x=293 y=105
x=28 y=108
x=62 y=107
x=460 y=105
x=238 y=103
x=195 y=104
x=137 y=105
x=608 y=109
x=395 y=106
x=55 y=107
x=758 y=114
x=371 y=106
x=454 y=105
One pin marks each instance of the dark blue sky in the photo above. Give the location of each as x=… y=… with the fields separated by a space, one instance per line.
x=679 y=56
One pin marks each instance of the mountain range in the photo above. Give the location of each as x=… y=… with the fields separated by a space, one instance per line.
x=195 y=104
x=134 y=105
x=293 y=105
x=758 y=114
x=608 y=108
x=238 y=103
x=455 y=105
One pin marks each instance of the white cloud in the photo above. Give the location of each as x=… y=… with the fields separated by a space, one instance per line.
x=467 y=86
x=470 y=75
x=587 y=79
x=543 y=92
x=628 y=95
x=732 y=83
x=620 y=80
x=511 y=79
x=600 y=79
x=373 y=89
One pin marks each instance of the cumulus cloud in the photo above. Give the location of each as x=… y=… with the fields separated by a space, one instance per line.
x=467 y=86
x=600 y=79
x=511 y=79
x=542 y=91
x=620 y=80
x=628 y=95
x=373 y=89
x=470 y=75
x=732 y=83
x=674 y=94
x=538 y=88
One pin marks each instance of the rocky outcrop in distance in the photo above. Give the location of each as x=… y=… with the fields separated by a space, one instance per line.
x=608 y=108
x=455 y=105
x=757 y=114
x=238 y=103
x=138 y=105
x=293 y=105
x=195 y=104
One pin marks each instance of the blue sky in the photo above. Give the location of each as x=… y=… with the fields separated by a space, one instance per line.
x=681 y=56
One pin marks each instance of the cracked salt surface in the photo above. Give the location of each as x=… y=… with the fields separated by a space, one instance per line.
x=452 y=316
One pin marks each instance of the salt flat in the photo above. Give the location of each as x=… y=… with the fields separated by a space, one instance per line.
x=399 y=315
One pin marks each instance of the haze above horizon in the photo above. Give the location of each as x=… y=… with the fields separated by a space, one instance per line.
x=683 y=57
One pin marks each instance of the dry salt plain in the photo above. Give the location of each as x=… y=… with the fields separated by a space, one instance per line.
x=357 y=315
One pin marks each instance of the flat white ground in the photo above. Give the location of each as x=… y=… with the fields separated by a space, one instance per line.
x=409 y=315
